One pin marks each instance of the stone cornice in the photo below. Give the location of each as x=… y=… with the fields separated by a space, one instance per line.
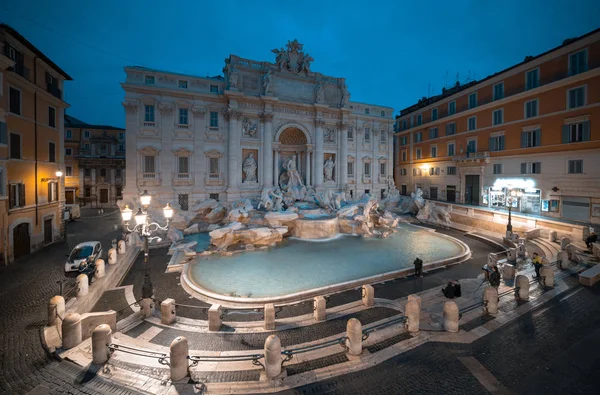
x=199 y=112
x=319 y=123
x=131 y=107
x=266 y=117
x=232 y=114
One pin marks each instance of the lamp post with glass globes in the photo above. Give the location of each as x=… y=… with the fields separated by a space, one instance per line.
x=510 y=199
x=145 y=229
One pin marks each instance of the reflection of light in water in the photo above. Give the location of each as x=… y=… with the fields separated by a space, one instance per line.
x=339 y=235
x=298 y=265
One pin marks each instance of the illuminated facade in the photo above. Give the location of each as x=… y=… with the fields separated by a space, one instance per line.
x=31 y=147
x=533 y=128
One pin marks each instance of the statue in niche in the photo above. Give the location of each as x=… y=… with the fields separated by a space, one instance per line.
x=249 y=129
x=249 y=167
x=328 y=169
x=345 y=96
x=267 y=80
x=233 y=78
x=292 y=175
x=320 y=93
x=329 y=135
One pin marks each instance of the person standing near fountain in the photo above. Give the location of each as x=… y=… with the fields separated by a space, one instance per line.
x=418 y=267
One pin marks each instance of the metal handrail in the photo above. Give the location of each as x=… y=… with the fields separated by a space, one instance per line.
x=136 y=303
x=367 y=331
x=191 y=306
x=255 y=358
x=160 y=356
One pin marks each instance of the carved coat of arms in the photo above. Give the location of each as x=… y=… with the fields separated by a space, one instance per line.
x=293 y=59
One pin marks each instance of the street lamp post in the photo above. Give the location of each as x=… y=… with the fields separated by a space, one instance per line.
x=145 y=229
x=509 y=202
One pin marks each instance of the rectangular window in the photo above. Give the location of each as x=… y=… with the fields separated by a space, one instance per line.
x=350 y=134
x=402 y=172
x=214 y=89
x=532 y=79
x=214 y=167
x=451 y=170
x=418 y=153
x=404 y=125
x=451 y=149
x=69 y=171
x=118 y=172
x=403 y=140
x=214 y=119
x=576 y=166
x=575 y=132
x=183 y=201
x=16 y=195
x=434 y=114
x=383 y=113
x=183 y=167
x=86 y=146
x=51 y=152
x=497 y=168
x=350 y=169
x=382 y=167
x=87 y=172
x=148 y=113
x=119 y=191
x=68 y=134
x=419 y=119
x=450 y=128
x=531 y=138
x=183 y=116
x=499 y=91
x=576 y=97
x=52 y=192
x=403 y=156
x=472 y=121
x=416 y=171
x=14 y=96
x=498 y=116
x=149 y=162
x=497 y=143
x=433 y=133
x=471 y=146
x=431 y=171
x=3 y=133
x=367 y=111
x=578 y=62
x=121 y=136
x=86 y=134
x=418 y=137
x=183 y=84
x=52 y=117
x=103 y=149
x=367 y=134
x=531 y=108
x=15 y=146
x=531 y=168
x=452 y=108
x=473 y=100
x=87 y=192
x=367 y=169
x=121 y=147
x=102 y=172
x=434 y=151
x=68 y=151
x=149 y=80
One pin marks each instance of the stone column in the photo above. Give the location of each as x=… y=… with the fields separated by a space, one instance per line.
x=233 y=153
x=276 y=169
x=319 y=123
x=267 y=148
x=343 y=161
x=308 y=152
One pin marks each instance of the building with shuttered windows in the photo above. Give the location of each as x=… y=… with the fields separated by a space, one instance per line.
x=533 y=128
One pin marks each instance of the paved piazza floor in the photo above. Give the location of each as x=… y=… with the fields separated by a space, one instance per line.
x=552 y=349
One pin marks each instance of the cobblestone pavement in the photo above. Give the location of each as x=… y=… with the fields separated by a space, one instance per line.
x=551 y=350
x=25 y=287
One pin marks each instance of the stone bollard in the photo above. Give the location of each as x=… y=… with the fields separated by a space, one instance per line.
x=562 y=260
x=511 y=255
x=214 y=317
x=320 y=309
x=564 y=242
x=269 y=317
x=368 y=295
x=354 y=336
x=508 y=272
x=71 y=331
x=571 y=252
x=121 y=247
x=412 y=311
x=547 y=275
x=83 y=285
x=522 y=287
x=178 y=356
x=100 y=269
x=56 y=310
x=272 y=357
x=101 y=338
x=521 y=251
x=416 y=298
x=552 y=236
x=112 y=256
x=167 y=311
x=146 y=307
x=451 y=316
x=490 y=300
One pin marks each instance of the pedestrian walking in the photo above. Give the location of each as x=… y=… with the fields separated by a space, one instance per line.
x=495 y=278
x=537 y=264
x=418 y=267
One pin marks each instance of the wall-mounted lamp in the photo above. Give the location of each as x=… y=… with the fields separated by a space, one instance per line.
x=58 y=174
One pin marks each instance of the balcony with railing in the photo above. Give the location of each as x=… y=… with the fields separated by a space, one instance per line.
x=54 y=91
x=21 y=70
x=183 y=179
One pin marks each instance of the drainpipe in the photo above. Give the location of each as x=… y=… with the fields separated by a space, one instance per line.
x=35 y=129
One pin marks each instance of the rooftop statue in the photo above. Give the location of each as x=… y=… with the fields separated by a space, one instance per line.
x=292 y=59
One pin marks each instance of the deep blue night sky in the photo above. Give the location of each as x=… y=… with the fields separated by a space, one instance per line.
x=391 y=52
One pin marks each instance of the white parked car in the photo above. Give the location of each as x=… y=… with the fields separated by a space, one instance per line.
x=83 y=253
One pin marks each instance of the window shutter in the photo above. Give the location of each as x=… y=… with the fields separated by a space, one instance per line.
x=22 y=195
x=11 y=196
x=538 y=138
x=586 y=130
x=492 y=144
x=523 y=168
x=501 y=147
x=565 y=134
x=49 y=192
x=538 y=166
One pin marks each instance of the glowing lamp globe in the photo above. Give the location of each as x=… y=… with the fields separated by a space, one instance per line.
x=145 y=199
x=126 y=213
x=140 y=217
x=168 y=211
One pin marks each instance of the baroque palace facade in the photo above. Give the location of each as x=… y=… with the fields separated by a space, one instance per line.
x=191 y=138
x=532 y=130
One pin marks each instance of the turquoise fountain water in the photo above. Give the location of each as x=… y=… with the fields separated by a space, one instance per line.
x=298 y=265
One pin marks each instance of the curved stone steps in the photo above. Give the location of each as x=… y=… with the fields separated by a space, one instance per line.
x=552 y=248
x=541 y=249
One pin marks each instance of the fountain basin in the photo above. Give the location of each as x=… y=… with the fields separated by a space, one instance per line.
x=315 y=227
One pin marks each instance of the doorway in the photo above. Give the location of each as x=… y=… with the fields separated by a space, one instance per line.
x=472 y=190
x=21 y=240
x=433 y=193
x=48 y=231
x=451 y=193
x=69 y=196
x=104 y=195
